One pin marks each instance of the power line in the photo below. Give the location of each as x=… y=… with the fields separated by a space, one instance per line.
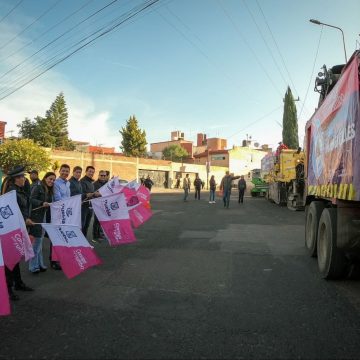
x=265 y=42
x=25 y=75
x=50 y=60
x=256 y=121
x=312 y=72
x=27 y=27
x=277 y=47
x=250 y=48
x=137 y=10
x=48 y=30
x=57 y=38
x=5 y=16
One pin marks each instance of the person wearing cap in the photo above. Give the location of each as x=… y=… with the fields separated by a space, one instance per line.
x=16 y=182
x=34 y=177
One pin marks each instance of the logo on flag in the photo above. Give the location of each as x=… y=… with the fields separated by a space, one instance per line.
x=67 y=211
x=6 y=212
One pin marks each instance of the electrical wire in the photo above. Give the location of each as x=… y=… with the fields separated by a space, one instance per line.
x=135 y=12
x=250 y=48
x=51 y=58
x=312 y=71
x=5 y=16
x=57 y=38
x=34 y=70
x=27 y=27
x=277 y=47
x=265 y=42
x=256 y=121
x=48 y=30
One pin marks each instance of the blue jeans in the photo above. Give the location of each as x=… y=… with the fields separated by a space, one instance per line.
x=226 y=198
x=37 y=261
x=186 y=193
x=212 y=195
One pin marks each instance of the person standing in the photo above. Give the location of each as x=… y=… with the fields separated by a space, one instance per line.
x=225 y=186
x=186 y=186
x=41 y=197
x=148 y=183
x=197 y=185
x=87 y=184
x=34 y=177
x=16 y=181
x=75 y=185
x=97 y=233
x=212 y=190
x=61 y=192
x=241 y=188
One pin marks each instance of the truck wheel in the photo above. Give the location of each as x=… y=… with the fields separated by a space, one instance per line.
x=331 y=260
x=312 y=218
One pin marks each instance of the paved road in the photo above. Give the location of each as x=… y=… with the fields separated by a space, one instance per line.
x=201 y=282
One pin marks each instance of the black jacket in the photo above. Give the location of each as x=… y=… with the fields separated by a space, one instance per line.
x=87 y=185
x=75 y=187
x=98 y=184
x=22 y=199
x=37 y=199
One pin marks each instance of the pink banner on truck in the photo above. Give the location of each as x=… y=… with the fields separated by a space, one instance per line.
x=4 y=295
x=113 y=216
x=14 y=238
x=72 y=249
x=333 y=140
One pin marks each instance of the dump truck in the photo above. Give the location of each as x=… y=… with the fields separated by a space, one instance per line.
x=284 y=172
x=332 y=172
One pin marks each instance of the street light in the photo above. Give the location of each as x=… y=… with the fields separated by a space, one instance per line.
x=317 y=22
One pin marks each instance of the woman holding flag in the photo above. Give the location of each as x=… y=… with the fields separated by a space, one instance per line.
x=16 y=182
x=41 y=197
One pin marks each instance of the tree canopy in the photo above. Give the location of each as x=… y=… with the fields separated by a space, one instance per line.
x=290 y=123
x=133 y=138
x=23 y=153
x=175 y=153
x=51 y=130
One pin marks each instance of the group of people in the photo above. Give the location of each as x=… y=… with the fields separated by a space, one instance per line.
x=34 y=202
x=225 y=187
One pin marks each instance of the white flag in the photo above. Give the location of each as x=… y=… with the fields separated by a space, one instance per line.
x=66 y=212
x=113 y=186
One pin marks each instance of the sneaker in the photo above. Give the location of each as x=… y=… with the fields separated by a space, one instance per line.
x=35 y=272
x=210 y=202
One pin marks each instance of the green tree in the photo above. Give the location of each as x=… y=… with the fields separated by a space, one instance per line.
x=133 y=138
x=25 y=153
x=175 y=153
x=290 y=135
x=51 y=130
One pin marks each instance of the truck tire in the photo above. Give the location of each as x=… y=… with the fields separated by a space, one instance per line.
x=331 y=260
x=312 y=218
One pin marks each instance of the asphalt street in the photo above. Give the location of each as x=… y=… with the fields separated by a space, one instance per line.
x=201 y=282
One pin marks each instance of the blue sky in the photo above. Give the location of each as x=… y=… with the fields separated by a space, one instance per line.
x=207 y=66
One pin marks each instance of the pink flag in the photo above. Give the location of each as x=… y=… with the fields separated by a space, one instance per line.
x=137 y=211
x=4 y=295
x=14 y=238
x=72 y=249
x=114 y=218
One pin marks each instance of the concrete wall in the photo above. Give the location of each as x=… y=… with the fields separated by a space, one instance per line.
x=127 y=168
